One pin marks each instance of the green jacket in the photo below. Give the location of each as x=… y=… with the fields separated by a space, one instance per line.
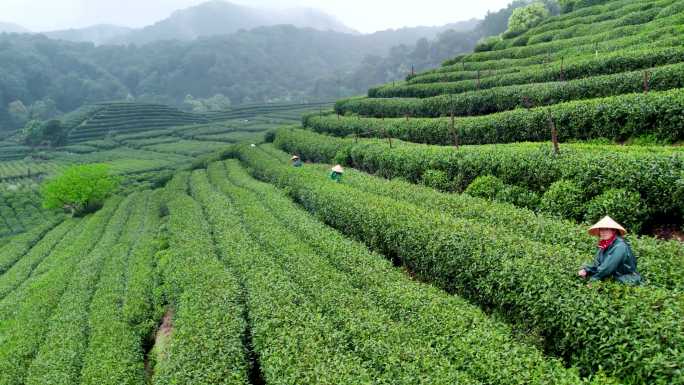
x=336 y=176
x=616 y=261
x=297 y=163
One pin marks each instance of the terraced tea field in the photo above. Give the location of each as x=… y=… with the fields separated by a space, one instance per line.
x=614 y=81
x=447 y=253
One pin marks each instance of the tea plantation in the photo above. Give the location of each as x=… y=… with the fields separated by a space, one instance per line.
x=447 y=254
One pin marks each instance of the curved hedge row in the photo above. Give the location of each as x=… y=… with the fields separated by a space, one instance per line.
x=439 y=98
x=597 y=14
x=25 y=312
x=668 y=39
x=657 y=114
x=660 y=262
x=617 y=37
x=208 y=320
x=657 y=176
x=62 y=353
x=22 y=268
x=531 y=283
x=320 y=260
x=604 y=65
x=283 y=316
x=637 y=14
x=114 y=355
x=13 y=251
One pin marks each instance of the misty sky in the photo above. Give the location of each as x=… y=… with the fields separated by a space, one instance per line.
x=362 y=15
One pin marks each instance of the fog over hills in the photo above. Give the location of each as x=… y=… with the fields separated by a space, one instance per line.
x=221 y=18
x=12 y=28
x=98 y=34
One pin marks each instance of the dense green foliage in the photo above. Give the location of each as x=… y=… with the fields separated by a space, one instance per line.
x=124 y=308
x=536 y=94
x=208 y=325
x=522 y=278
x=25 y=310
x=17 y=247
x=573 y=68
x=50 y=133
x=565 y=199
x=659 y=261
x=651 y=172
x=620 y=204
x=80 y=188
x=525 y=18
x=618 y=118
x=511 y=97
x=304 y=258
x=21 y=209
x=392 y=277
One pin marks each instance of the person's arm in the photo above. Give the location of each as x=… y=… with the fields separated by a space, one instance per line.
x=610 y=263
x=591 y=269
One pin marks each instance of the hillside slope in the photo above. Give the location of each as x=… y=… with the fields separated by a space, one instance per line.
x=219 y=17
x=608 y=72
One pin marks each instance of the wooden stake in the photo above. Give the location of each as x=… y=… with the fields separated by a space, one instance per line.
x=478 y=80
x=384 y=132
x=562 y=73
x=452 y=128
x=554 y=135
x=647 y=79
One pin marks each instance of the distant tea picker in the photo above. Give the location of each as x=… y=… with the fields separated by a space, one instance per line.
x=296 y=161
x=614 y=257
x=336 y=173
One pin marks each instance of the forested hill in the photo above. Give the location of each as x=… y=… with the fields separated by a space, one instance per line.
x=12 y=28
x=219 y=17
x=265 y=64
x=41 y=77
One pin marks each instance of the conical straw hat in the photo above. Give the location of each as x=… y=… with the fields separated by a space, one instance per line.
x=295 y=157
x=606 y=223
x=338 y=168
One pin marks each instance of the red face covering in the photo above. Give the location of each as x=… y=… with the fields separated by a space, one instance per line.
x=605 y=243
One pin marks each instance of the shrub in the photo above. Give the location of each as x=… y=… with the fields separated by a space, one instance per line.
x=486 y=44
x=442 y=98
x=531 y=283
x=563 y=199
x=437 y=179
x=80 y=189
x=653 y=172
x=519 y=196
x=624 y=206
x=525 y=18
x=486 y=186
x=615 y=117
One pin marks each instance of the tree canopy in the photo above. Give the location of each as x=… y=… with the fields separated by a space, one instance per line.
x=79 y=189
x=523 y=19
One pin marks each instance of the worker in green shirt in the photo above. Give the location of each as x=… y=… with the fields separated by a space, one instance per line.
x=614 y=257
x=296 y=161
x=336 y=173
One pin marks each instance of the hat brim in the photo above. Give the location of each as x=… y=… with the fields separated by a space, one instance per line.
x=607 y=223
x=595 y=231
